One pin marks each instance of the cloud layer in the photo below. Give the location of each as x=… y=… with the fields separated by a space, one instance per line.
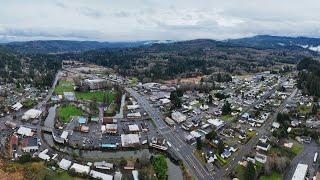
x=122 y=20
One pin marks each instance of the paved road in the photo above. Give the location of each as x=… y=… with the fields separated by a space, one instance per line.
x=264 y=131
x=184 y=150
x=41 y=106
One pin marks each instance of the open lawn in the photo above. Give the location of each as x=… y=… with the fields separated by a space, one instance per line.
x=100 y=96
x=227 y=118
x=296 y=148
x=66 y=112
x=251 y=134
x=64 y=86
x=304 y=109
x=273 y=176
x=52 y=175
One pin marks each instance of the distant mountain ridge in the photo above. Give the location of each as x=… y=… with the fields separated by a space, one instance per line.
x=257 y=42
x=281 y=42
x=63 y=46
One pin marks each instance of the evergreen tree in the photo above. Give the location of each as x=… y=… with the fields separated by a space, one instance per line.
x=226 y=108
x=250 y=173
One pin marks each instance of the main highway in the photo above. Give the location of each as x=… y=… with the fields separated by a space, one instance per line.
x=179 y=146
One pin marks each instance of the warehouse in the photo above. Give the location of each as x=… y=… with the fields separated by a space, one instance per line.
x=130 y=140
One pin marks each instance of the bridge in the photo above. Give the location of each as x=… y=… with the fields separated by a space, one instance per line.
x=46 y=129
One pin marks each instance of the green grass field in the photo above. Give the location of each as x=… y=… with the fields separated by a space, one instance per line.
x=227 y=118
x=98 y=95
x=52 y=175
x=296 y=148
x=304 y=109
x=273 y=176
x=64 y=86
x=66 y=112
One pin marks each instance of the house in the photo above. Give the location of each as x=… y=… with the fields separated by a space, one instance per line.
x=109 y=120
x=84 y=129
x=260 y=158
x=29 y=144
x=134 y=128
x=217 y=123
x=111 y=128
x=178 y=117
x=31 y=114
x=80 y=168
x=99 y=175
x=95 y=119
x=65 y=135
x=70 y=96
x=103 y=165
x=134 y=115
x=43 y=155
x=165 y=101
x=82 y=120
x=130 y=140
x=24 y=131
x=187 y=125
x=64 y=164
x=169 y=121
x=226 y=153
x=133 y=107
x=129 y=165
x=275 y=125
x=245 y=116
x=263 y=146
x=204 y=107
x=17 y=106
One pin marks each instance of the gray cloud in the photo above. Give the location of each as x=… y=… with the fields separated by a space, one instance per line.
x=115 y=20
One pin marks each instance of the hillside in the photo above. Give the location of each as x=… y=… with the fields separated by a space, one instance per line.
x=188 y=59
x=280 y=42
x=63 y=46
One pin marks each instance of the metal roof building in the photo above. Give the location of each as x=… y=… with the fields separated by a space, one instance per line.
x=300 y=172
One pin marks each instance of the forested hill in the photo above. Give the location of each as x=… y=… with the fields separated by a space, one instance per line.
x=64 y=46
x=279 y=42
x=38 y=70
x=188 y=58
x=309 y=76
x=257 y=42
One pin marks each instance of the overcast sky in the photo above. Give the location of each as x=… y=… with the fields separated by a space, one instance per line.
x=123 y=20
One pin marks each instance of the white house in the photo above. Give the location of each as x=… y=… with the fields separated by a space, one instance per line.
x=80 y=168
x=99 y=175
x=31 y=114
x=178 y=117
x=64 y=164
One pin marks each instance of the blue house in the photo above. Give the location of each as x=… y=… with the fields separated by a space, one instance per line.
x=82 y=120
